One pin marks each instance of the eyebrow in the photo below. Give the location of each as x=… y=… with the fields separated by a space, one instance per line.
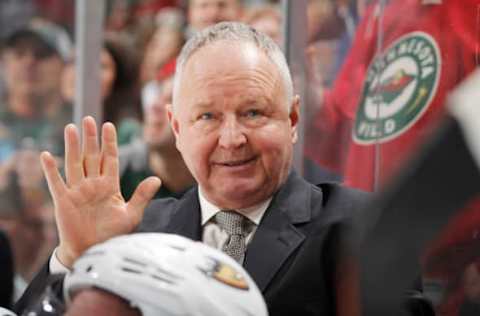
x=203 y=105
x=243 y=101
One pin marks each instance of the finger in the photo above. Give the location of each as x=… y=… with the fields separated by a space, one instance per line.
x=91 y=152
x=142 y=195
x=56 y=185
x=109 y=151
x=73 y=157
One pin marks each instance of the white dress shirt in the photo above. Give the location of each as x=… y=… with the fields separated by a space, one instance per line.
x=212 y=234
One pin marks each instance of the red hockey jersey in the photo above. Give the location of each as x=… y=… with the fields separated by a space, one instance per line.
x=389 y=102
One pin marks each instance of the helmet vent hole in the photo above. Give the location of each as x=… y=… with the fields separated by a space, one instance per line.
x=135 y=262
x=179 y=248
x=129 y=270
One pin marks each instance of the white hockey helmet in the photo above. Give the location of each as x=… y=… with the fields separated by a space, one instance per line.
x=163 y=274
x=6 y=312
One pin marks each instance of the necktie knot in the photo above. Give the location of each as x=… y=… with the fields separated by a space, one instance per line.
x=233 y=223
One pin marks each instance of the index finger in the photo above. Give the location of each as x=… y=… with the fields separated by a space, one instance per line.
x=56 y=185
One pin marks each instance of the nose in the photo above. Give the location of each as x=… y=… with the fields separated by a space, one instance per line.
x=28 y=58
x=231 y=135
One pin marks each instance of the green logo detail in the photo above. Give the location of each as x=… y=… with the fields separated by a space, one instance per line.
x=398 y=88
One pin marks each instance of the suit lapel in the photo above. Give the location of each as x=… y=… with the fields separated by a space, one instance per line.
x=186 y=219
x=277 y=237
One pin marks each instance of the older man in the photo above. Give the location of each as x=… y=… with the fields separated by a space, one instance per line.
x=235 y=120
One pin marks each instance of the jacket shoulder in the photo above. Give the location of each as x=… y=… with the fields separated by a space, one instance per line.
x=158 y=214
x=339 y=200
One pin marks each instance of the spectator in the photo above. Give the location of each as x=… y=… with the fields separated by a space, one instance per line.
x=119 y=87
x=148 y=9
x=204 y=13
x=323 y=21
x=29 y=224
x=32 y=235
x=164 y=44
x=155 y=153
x=266 y=19
x=330 y=26
x=33 y=58
x=120 y=14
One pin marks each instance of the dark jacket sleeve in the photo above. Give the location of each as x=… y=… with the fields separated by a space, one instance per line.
x=35 y=290
x=6 y=275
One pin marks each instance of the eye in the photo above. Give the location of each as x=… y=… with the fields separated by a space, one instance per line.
x=253 y=113
x=205 y=116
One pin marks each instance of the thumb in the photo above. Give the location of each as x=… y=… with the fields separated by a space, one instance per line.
x=142 y=195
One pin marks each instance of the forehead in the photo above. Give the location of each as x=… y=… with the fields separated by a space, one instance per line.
x=229 y=66
x=28 y=42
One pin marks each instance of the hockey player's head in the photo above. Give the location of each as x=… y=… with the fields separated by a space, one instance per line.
x=159 y=274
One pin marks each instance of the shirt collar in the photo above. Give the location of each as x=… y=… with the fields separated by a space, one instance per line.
x=253 y=213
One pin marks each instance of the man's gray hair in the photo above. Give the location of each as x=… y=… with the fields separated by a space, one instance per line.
x=235 y=32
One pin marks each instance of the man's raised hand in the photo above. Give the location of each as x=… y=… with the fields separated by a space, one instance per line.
x=89 y=207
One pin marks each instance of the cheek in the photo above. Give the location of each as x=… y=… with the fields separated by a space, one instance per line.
x=13 y=71
x=52 y=67
x=107 y=77
x=10 y=65
x=275 y=149
x=107 y=82
x=196 y=149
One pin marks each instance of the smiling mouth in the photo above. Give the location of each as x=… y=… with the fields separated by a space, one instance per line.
x=236 y=163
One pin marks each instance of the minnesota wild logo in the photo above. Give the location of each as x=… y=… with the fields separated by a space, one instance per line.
x=399 y=87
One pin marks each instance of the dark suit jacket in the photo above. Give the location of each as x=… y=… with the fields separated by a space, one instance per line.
x=292 y=256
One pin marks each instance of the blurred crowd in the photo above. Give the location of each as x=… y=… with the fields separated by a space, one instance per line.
x=141 y=41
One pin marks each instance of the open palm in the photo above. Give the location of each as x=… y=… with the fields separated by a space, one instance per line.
x=89 y=207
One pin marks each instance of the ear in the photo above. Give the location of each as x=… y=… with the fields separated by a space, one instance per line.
x=294 y=117
x=172 y=119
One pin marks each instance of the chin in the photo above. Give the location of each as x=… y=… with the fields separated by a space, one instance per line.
x=241 y=195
